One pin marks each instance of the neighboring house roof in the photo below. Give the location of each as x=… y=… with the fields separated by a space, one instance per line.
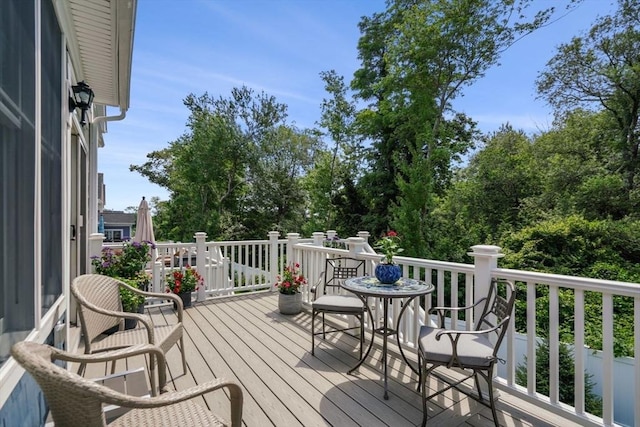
x=118 y=218
x=101 y=33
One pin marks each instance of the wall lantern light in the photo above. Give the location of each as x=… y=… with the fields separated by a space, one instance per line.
x=82 y=98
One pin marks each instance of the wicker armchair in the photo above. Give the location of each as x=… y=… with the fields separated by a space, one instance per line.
x=475 y=352
x=77 y=401
x=100 y=309
x=330 y=298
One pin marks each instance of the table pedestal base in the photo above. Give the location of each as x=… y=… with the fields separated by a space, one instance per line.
x=385 y=331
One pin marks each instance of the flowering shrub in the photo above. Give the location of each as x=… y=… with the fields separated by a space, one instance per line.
x=182 y=281
x=126 y=262
x=291 y=280
x=389 y=246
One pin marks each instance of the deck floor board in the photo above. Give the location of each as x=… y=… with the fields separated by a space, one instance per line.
x=246 y=339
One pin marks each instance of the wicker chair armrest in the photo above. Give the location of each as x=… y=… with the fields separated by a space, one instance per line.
x=157 y=295
x=172 y=298
x=144 y=319
x=108 y=356
x=123 y=353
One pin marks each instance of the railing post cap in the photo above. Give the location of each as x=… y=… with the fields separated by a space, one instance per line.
x=318 y=238
x=96 y=236
x=486 y=250
x=293 y=235
x=200 y=234
x=355 y=240
x=274 y=234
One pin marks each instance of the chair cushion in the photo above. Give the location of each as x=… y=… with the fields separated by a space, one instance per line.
x=339 y=303
x=473 y=350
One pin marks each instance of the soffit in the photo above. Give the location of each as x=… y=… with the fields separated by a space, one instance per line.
x=101 y=46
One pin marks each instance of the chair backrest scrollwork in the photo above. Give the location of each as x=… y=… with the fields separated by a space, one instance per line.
x=339 y=269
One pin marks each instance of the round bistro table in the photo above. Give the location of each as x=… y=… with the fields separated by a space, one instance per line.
x=367 y=286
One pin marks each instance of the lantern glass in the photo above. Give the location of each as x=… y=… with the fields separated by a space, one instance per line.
x=83 y=95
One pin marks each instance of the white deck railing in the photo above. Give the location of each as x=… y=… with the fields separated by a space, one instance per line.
x=236 y=267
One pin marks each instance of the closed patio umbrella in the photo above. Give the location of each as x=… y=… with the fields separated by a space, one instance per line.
x=144 y=224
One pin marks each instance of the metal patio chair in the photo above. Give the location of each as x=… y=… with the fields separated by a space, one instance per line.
x=475 y=352
x=330 y=298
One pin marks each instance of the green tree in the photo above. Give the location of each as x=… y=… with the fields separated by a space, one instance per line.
x=489 y=196
x=592 y=403
x=602 y=70
x=574 y=246
x=417 y=56
x=275 y=198
x=219 y=172
x=578 y=169
x=337 y=121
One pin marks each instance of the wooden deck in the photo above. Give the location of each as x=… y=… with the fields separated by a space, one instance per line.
x=246 y=339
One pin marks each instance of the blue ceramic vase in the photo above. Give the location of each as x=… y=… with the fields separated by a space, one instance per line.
x=388 y=273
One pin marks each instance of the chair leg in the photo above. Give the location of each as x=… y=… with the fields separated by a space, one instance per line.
x=477 y=380
x=361 y=334
x=324 y=336
x=492 y=402
x=488 y=377
x=184 y=357
x=419 y=371
x=423 y=374
x=152 y=375
x=313 y=332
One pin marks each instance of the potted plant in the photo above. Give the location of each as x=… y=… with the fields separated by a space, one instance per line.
x=290 y=298
x=387 y=271
x=132 y=302
x=127 y=264
x=183 y=282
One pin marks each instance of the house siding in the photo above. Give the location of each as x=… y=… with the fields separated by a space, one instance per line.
x=48 y=161
x=26 y=406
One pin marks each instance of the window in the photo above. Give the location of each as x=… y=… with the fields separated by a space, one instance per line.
x=113 y=235
x=51 y=157
x=17 y=171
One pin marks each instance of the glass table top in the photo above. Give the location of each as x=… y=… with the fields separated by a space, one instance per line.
x=404 y=287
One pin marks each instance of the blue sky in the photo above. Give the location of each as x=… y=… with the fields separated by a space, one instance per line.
x=280 y=47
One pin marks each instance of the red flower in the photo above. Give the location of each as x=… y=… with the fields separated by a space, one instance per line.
x=389 y=246
x=187 y=280
x=290 y=280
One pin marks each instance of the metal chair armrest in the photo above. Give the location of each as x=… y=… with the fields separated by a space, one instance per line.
x=441 y=311
x=319 y=283
x=451 y=332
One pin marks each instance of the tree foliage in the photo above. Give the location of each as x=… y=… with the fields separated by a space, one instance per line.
x=416 y=58
x=602 y=70
x=566 y=380
x=236 y=172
